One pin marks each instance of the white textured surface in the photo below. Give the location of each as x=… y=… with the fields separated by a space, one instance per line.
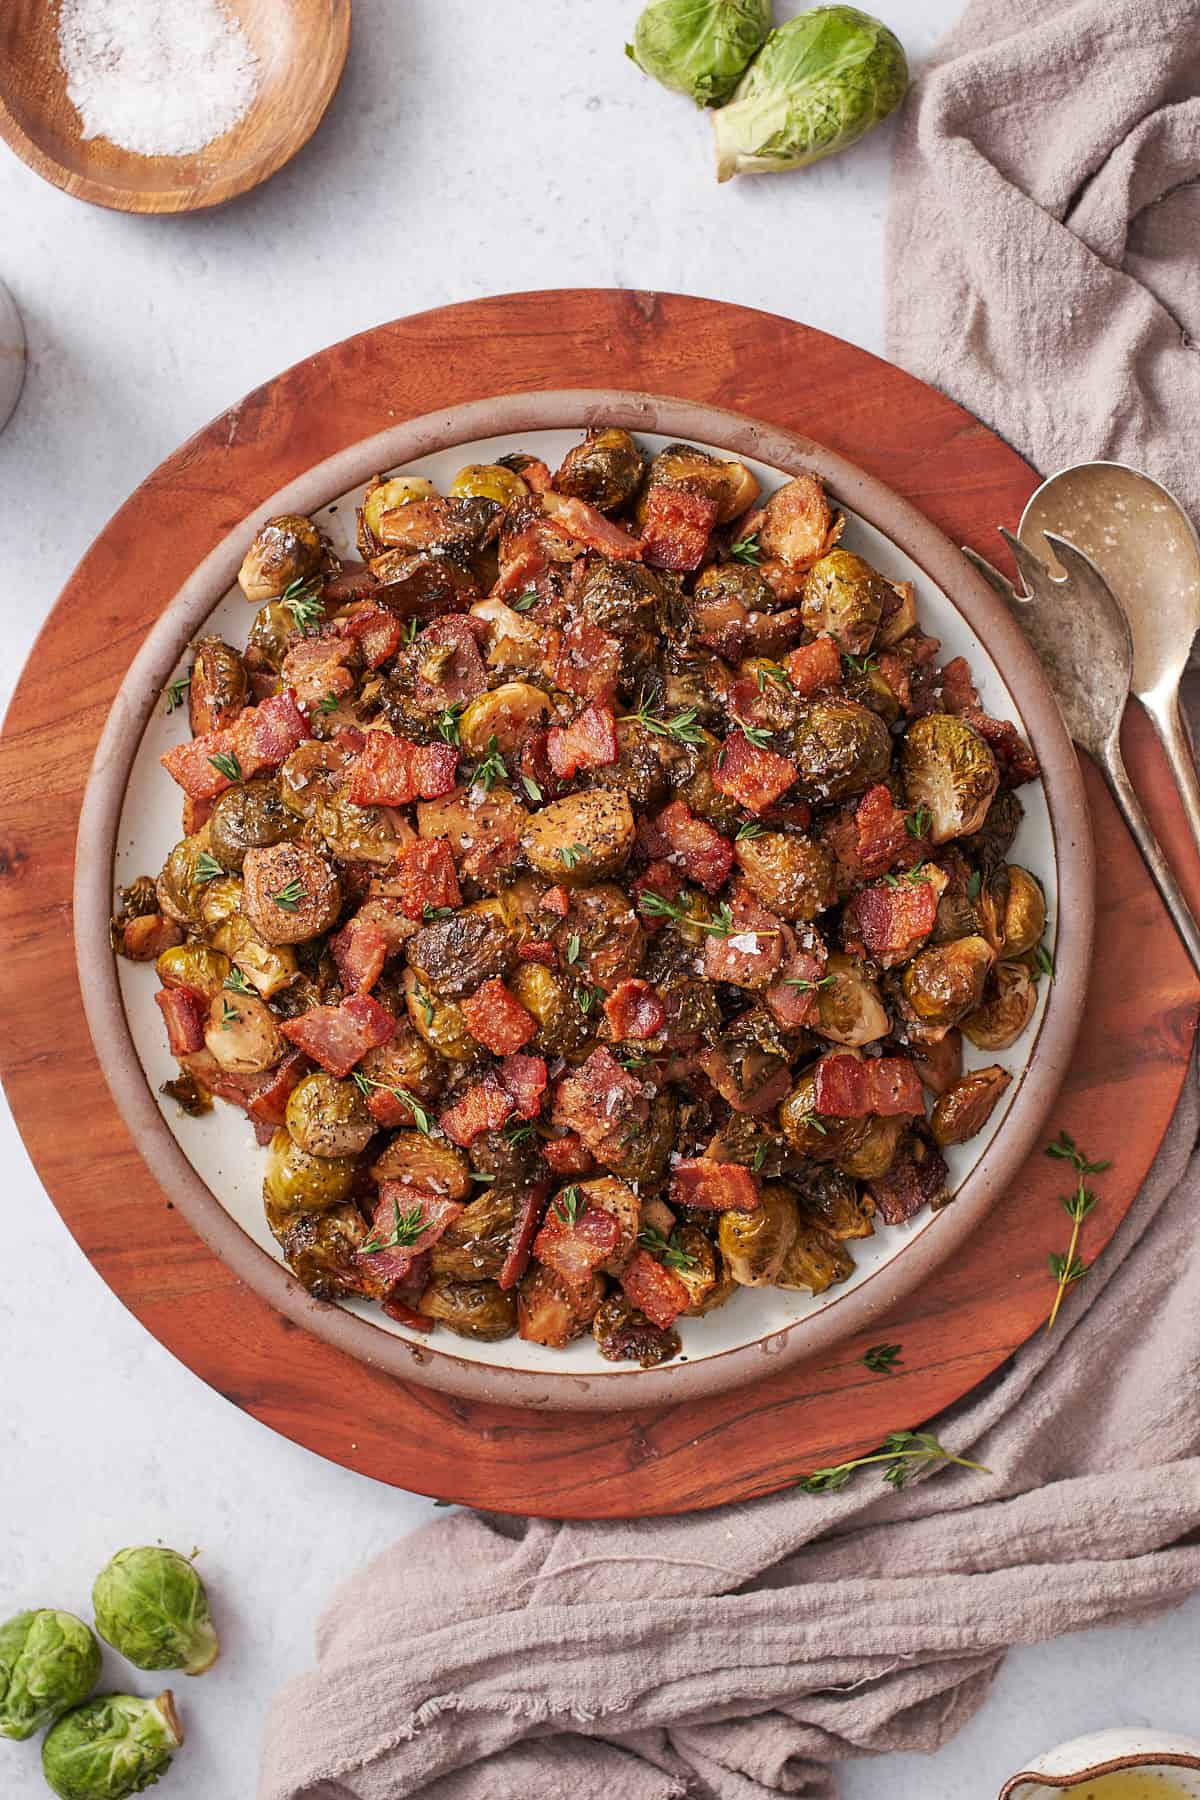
x=475 y=151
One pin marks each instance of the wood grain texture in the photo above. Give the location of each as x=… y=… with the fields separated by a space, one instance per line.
x=955 y=1330
x=301 y=48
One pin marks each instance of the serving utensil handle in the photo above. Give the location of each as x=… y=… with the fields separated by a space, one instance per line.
x=1173 y=896
x=1176 y=741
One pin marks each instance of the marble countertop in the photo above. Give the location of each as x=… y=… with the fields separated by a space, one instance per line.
x=462 y=156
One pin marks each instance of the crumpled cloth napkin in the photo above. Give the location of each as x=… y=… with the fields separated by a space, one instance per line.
x=1042 y=270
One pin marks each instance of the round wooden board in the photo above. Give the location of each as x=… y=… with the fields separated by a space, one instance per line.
x=955 y=1330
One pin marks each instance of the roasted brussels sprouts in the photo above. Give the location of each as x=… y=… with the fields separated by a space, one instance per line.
x=48 y=1661
x=551 y=1313
x=321 y=1249
x=424 y=1162
x=252 y=817
x=389 y=496
x=945 y=983
x=356 y=833
x=754 y=1244
x=328 y=1117
x=582 y=837
x=311 y=773
x=219 y=687
x=1024 y=919
x=849 y=1009
x=791 y=874
x=475 y=1246
x=623 y=1334
x=151 y=1606
x=287 y=549
x=438 y=1020
x=605 y=470
x=488 y=481
x=111 y=1747
x=833 y=1200
x=640 y=770
x=624 y=598
x=502 y=718
x=1009 y=1001
x=699 y=47
x=242 y=1034
x=869 y=1147
x=298 y=1182
x=700 y=1269
x=454 y=956
x=966 y=1107
x=815 y=1260
x=472 y=1309
x=194 y=966
x=270 y=967
x=819 y=83
x=798 y=523
x=844 y=596
x=562 y=1025
x=181 y=885
x=949 y=769
x=840 y=749
x=291 y=893
x=730 y=484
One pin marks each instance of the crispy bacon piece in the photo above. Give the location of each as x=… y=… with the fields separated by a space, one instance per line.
x=916 y=1178
x=959 y=694
x=752 y=952
x=496 y=1019
x=661 y=878
x=790 y=1005
x=556 y=900
x=677 y=528
x=1015 y=759
x=268 y=1104
x=450 y=669
x=714 y=1186
x=698 y=847
x=425 y=875
x=524 y=1079
x=377 y=632
x=538 y=950
x=316 y=667
x=588 y=662
x=754 y=778
x=364 y=943
x=484 y=1106
x=391 y=1263
x=891 y=923
x=634 y=1010
x=600 y=1101
x=847 y=1087
x=814 y=666
x=391 y=771
x=185 y=1013
x=404 y=1314
x=870 y=841
x=575 y=1249
x=526 y=1219
x=262 y=737
x=587 y=526
x=567 y=1155
x=588 y=742
x=337 y=1036
x=654 y=1289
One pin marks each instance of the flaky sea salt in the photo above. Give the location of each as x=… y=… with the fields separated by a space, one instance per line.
x=159 y=77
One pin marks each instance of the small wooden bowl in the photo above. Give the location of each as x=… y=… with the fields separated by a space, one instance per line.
x=301 y=48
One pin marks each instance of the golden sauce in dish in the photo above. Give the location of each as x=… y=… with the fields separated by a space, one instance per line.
x=1132 y=1784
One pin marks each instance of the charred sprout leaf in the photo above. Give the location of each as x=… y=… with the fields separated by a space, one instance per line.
x=699 y=47
x=290 y=895
x=227 y=764
x=747 y=549
x=1044 y=961
x=566 y=1207
x=188 y=1095
x=666 y=1249
x=175 y=692
x=206 y=868
x=906 y=1453
x=569 y=854
x=491 y=770
x=682 y=727
x=420 y=1117
x=406 y=1229
x=151 y=1606
x=111 y=1747
x=881 y=1359
x=917 y=824
x=48 y=1661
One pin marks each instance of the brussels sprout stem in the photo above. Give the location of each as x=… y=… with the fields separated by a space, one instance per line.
x=208 y=1648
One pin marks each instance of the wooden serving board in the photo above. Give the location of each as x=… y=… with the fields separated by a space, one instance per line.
x=960 y=1326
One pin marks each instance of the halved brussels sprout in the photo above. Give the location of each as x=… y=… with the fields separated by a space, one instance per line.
x=321 y=1249
x=439 y=1021
x=472 y=1309
x=249 y=817
x=1024 y=921
x=219 y=687
x=475 y=1246
x=642 y=1156
x=1009 y=1001
x=291 y=893
x=815 y=1260
x=298 y=1182
x=869 y=1150
x=791 y=874
x=353 y=833
x=270 y=967
x=605 y=470
x=966 y=1107
x=754 y=1244
x=180 y=886
x=194 y=966
x=424 y=1162
x=730 y=484
x=799 y=525
x=328 y=1117
x=312 y=772
x=623 y=1334
x=287 y=549
x=389 y=496
x=562 y=1026
x=945 y=983
x=582 y=837
x=502 y=718
x=840 y=749
x=951 y=770
x=850 y=1010
x=242 y=1034
x=844 y=596
x=700 y=1269
x=488 y=481
x=834 y=1201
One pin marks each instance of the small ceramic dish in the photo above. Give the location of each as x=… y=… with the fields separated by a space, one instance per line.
x=211 y=1168
x=301 y=50
x=1166 y=1764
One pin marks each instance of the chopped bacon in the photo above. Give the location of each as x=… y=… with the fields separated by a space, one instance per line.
x=449 y=650
x=185 y=1012
x=196 y=814
x=872 y=839
x=654 y=1289
x=268 y=1104
x=524 y=1079
x=749 y=955
x=1016 y=760
x=916 y=1178
x=790 y=1005
x=567 y=1155
x=397 y=1201
x=484 y=1106
x=677 y=528
x=365 y=942
x=588 y=662
x=587 y=526
x=891 y=923
x=353 y=581
x=391 y=771
x=425 y=875
x=773 y=634
x=754 y=778
x=588 y=742
x=535 y=475
x=959 y=694
x=814 y=666
x=847 y=1087
x=496 y=1018
x=377 y=632
x=315 y=668
x=337 y=1036
x=575 y=1249
x=634 y=1010
x=661 y=878
x=262 y=737
x=350 y=739
x=538 y=950
x=698 y=847
x=600 y=1101
x=556 y=900
x=405 y=1314
x=526 y=1219
x=714 y=1186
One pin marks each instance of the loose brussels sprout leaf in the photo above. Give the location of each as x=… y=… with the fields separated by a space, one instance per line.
x=111 y=1747
x=48 y=1661
x=818 y=85
x=150 y=1605
x=699 y=47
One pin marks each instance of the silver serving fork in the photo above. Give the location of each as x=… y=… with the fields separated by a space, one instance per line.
x=1081 y=638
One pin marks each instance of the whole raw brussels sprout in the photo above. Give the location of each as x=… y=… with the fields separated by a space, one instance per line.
x=48 y=1661
x=112 y=1746
x=699 y=47
x=818 y=85
x=150 y=1604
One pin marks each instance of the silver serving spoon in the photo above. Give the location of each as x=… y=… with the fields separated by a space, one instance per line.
x=1144 y=545
x=1082 y=640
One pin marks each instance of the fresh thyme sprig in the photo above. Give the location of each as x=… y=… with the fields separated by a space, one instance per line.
x=227 y=764
x=237 y=983
x=771 y=671
x=491 y=770
x=447 y=725
x=906 y=1453
x=882 y=1359
x=406 y=1229
x=1044 y=961
x=806 y=986
x=682 y=726
x=230 y=1015
x=532 y=789
x=666 y=1249
x=747 y=549
x=751 y=829
x=566 y=1207
x=302 y=598
x=206 y=868
x=909 y=878
x=655 y=907
x=525 y=601
x=290 y=895
x=758 y=735
x=860 y=665
x=420 y=1117
x=569 y=854
x=175 y=691
x=1069 y=1268
x=917 y=823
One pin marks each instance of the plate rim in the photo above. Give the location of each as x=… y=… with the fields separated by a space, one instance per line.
x=565 y=409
